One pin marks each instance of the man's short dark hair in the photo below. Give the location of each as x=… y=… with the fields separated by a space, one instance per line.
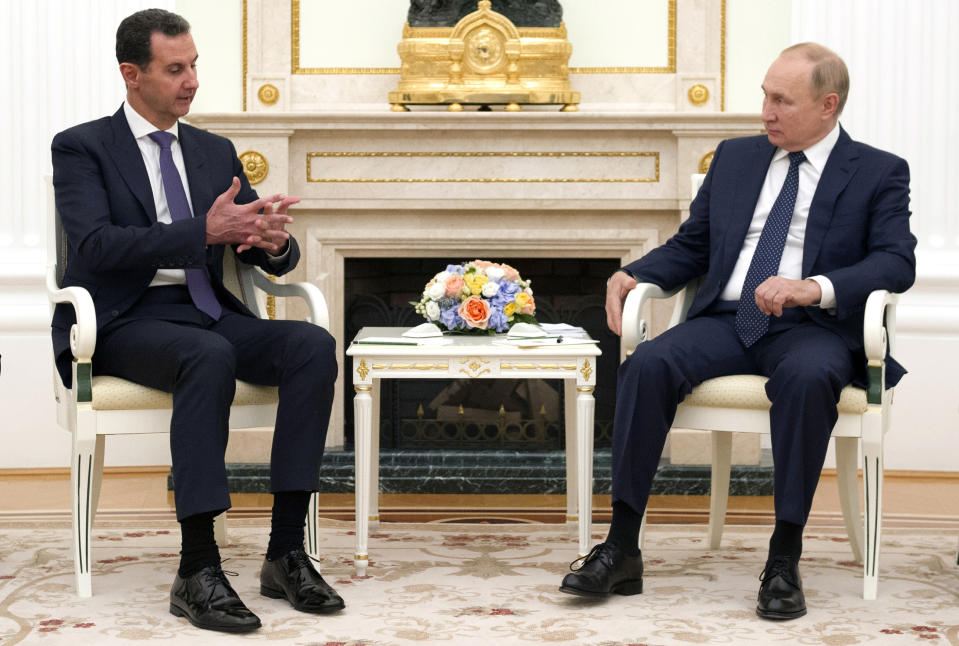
x=135 y=32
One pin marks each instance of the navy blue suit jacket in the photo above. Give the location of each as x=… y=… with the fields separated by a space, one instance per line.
x=857 y=233
x=115 y=244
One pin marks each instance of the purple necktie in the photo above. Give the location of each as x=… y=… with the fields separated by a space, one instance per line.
x=197 y=279
x=751 y=323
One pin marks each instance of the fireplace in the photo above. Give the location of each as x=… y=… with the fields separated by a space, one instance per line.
x=477 y=414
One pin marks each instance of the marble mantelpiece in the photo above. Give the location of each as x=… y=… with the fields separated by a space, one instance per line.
x=475 y=184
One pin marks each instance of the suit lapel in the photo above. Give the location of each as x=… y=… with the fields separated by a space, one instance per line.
x=194 y=160
x=752 y=174
x=840 y=167
x=126 y=154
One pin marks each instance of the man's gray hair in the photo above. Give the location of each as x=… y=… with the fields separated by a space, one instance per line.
x=829 y=73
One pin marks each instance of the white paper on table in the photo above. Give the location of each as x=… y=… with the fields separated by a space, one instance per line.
x=544 y=342
x=564 y=329
x=424 y=330
x=401 y=340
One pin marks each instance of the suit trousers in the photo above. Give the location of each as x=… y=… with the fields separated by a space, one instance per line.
x=164 y=342
x=807 y=366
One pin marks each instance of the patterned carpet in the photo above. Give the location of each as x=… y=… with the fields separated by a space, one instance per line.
x=482 y=585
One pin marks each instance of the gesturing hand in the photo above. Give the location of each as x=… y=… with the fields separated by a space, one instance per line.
x=619 y=285
x=243 y=224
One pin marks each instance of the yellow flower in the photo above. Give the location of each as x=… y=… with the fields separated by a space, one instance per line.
x=475 y=283
x=509 y=309
x=521 y=298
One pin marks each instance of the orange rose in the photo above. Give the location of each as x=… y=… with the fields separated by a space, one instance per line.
x=475 y=312
x=454 y=285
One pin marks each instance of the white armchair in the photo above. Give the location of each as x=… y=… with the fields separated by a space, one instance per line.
x=738 y=403
x=99 y=406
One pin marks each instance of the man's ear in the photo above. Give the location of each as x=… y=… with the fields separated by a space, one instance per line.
x=830 y=103
x=131 y=74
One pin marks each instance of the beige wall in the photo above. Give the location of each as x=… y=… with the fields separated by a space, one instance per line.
x=218 y=33
x=756 y=30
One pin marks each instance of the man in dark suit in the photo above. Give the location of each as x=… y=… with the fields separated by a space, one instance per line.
x=790 y=232
x=147 y=204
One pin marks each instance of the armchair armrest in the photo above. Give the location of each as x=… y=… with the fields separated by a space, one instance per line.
x=635 y=329
x=315 y=301
x=83 y=334
x=879 y=331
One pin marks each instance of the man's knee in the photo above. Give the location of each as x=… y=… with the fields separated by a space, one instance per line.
x=314 y=347
x=650 y=360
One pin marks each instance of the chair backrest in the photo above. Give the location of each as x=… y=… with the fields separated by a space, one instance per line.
x=236 y=278
x=56 y=238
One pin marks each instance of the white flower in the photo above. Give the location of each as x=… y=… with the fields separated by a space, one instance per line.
x=433 y=311
x=494 y=273
x=442 y=277
x=490 y=289
x=436 y=291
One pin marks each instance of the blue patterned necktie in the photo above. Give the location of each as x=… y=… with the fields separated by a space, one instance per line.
x=751 y=323
x=197 y=279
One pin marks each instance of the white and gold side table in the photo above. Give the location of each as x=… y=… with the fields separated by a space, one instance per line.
x=472 y=357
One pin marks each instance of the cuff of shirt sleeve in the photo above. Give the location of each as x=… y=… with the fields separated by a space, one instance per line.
x=275 y=261
x=828 y=300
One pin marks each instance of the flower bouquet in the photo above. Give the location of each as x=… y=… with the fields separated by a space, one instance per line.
x=477 y=296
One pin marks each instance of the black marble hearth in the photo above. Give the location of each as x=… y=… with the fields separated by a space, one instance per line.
x=490 y=472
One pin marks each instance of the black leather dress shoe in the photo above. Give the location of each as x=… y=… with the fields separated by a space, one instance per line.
x=605 y=570
x=780 y=594
x=293 y=577
x=208 y=601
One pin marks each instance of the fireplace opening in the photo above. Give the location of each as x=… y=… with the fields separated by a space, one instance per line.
x=481 y=414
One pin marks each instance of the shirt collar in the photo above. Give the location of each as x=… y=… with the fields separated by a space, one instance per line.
x=818 y=153
x=140 y=127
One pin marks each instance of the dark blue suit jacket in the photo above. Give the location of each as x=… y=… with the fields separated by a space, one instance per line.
x=857 y=234
x=115 y=244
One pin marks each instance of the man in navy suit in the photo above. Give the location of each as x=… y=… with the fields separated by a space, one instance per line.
x=790 y=232
x=147 y=205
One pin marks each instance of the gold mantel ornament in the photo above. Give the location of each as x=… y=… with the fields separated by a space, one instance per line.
x=268 y=94
x=255 y=166
x=485 y=59
x=698 y=94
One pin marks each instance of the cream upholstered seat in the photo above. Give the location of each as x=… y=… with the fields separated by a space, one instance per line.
x=99 y=406
x=113 y=393
x=738 y=403
x=747 y=391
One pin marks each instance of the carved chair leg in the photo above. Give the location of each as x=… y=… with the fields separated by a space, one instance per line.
x=847 y=477
x=872 y=472
x=722 y=442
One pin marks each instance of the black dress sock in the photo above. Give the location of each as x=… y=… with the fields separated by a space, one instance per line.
x=198 y=547
x=786 y=540
x=624 y=528
x=286 y=527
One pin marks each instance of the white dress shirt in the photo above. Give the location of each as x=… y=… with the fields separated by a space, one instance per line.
x=790 y=266
x=150 y=151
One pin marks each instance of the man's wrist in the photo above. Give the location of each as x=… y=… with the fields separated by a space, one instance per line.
x=621 y=269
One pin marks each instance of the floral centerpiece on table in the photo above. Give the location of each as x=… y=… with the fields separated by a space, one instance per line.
x=477 y=296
